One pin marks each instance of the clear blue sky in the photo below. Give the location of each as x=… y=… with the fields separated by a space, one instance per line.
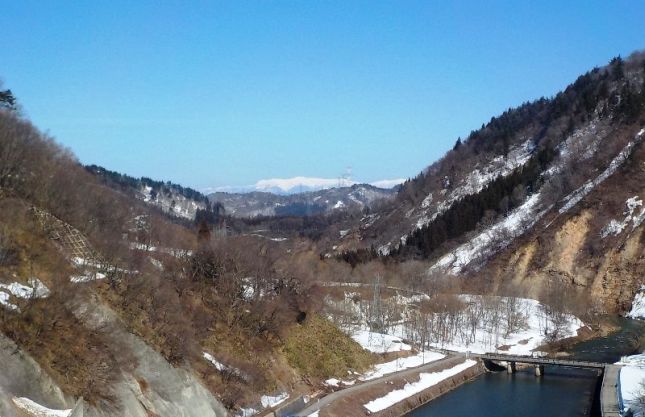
x=226 y=93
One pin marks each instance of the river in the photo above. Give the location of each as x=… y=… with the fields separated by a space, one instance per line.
x=560 y=392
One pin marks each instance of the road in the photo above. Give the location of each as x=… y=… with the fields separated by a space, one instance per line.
x=448 y=361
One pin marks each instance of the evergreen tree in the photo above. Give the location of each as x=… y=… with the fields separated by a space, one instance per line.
x=7 y=100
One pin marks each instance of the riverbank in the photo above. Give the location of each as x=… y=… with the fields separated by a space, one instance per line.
x=354 y=405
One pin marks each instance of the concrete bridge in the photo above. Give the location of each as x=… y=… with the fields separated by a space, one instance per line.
x=610 y=395
x=539 y=362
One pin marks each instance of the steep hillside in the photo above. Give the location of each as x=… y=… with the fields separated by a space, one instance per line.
x=108 y=305
x=172 y=199
x=523 y=175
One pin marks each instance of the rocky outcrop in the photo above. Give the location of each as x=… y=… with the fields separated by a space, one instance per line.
x=153 y=387
x=21 y=376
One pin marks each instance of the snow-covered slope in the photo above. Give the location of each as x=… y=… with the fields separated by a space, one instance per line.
x=171 y=202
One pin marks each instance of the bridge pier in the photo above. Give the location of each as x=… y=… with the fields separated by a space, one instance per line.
x=539 y=370
x=510 y=367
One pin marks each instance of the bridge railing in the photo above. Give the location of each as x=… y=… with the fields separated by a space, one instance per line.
x=542 y=361
x=619 y=394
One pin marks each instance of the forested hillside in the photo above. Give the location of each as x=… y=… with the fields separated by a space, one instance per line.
x=531 y=168
x=114 y=301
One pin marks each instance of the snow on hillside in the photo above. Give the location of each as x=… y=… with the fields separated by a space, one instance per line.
x=35 y=289
x=492 y=239
x=172 y=203
x=476 y=180
x=576 y=196
x=426 y=380
x=632 y=215
x=500 y=235
x=521 y=342
x=638 y=305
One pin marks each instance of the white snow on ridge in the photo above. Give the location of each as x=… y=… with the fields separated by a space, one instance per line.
x=37 y=410
x=288 y=185
x=494 y=238
x=426 y=380
x=302 y=183
x=388 y=183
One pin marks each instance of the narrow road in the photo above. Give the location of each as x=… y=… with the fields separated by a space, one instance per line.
x=448 y=361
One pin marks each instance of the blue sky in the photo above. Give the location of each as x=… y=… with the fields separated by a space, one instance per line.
x=226 y=93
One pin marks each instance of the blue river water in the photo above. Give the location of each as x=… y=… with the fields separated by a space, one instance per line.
x=560 y=392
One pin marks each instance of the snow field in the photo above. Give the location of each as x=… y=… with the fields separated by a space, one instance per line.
x=632 y=380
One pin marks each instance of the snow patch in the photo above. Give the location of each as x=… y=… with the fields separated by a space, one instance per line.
x=269 y=401
x=38 y=410
x=638 y=305
x=615 y=227
x=87 y=277
x=379 y=342
x=400 y=364
x=36 y=289
x=4 y=301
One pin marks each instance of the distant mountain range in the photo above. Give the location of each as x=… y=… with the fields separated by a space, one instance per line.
x=258 y=203
x=296 y=185
x=279 y=198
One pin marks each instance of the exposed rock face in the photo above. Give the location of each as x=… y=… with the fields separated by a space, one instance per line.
x=152 y=388
x=21 y=376
x=575 y=250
